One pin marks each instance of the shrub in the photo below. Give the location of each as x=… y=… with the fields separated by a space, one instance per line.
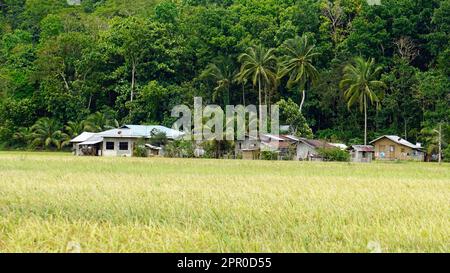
x=180 y=148
x=334 y=154
x=217 y=148
x=446 y=154
x=139 y=149
x=269 y=155
x=158 y=139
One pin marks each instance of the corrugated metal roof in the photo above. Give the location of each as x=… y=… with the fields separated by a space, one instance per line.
x=272 y=137
x=341 y=146
x=363 y=148
x=82 y=137
x=136 y=131
x=398 y=140
x=153 y=147
x=92 y=140
x=278 y=144
x=291 y=137
x=131 y=131
x=148 y=130
x=316 y=143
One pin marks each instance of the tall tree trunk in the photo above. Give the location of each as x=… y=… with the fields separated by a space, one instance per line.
x=260 y=102
x=406 y=129
x=365 y=119
x=66 y=84
x=133 y=74
x=302 y=101
x=243 y=94
x=227 y=96
x=90 y=101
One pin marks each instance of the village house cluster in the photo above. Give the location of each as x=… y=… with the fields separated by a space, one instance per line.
x=122 y=141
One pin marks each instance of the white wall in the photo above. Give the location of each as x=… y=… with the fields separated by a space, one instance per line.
x=116 y=151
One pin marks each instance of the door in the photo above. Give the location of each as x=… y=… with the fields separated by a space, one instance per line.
x=392 y=152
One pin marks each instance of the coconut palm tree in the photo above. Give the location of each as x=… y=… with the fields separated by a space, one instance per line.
x=23 y=135
x=222 y=72
x=360 y=85
x=99 y=121
x=46 y=132
x=259 y=65
x=298 y=64
x=74 y=128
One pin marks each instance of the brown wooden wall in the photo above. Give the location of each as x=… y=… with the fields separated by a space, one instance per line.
x=392 y=150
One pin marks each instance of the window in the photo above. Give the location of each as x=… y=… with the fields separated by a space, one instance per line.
x=123 y=146
x=109 y=145
x=392 y=149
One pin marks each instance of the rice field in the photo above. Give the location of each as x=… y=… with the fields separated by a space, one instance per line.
x=53 y=202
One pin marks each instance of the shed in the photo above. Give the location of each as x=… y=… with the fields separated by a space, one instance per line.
x=153 y=150
x=308 y=149
x=362 y=153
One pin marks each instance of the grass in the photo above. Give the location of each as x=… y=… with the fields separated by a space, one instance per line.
x=51 y=200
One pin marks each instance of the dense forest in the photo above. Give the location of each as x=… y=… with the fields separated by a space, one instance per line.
x=68 y=68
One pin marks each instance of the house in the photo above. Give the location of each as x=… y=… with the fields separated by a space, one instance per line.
x=120 y=141
x=361 y=153
x=83 y=137
x=251 y=147
x=308 y=149
x=287 y=147
x=284 y=145
x=391 y=147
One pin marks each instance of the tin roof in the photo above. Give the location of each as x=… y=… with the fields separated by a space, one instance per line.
x=398 y=140
x=363 y=148
x=130 y=131
x=137 y=131
x=82 y=137
x=92 y=140
x=315 y=143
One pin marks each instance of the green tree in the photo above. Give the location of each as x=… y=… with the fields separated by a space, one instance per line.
x=298 y=64
x=99 y=121
x=23 y=136
x=74 y=128
x=145 y=45
x=291 y=115
x=46 y=133
x=360 y=85
x=259 y=65
x=222 y=73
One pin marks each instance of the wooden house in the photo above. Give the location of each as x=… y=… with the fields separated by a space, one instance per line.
x=391 y=147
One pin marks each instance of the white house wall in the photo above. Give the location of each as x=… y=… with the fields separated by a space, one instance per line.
x=116 y=151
